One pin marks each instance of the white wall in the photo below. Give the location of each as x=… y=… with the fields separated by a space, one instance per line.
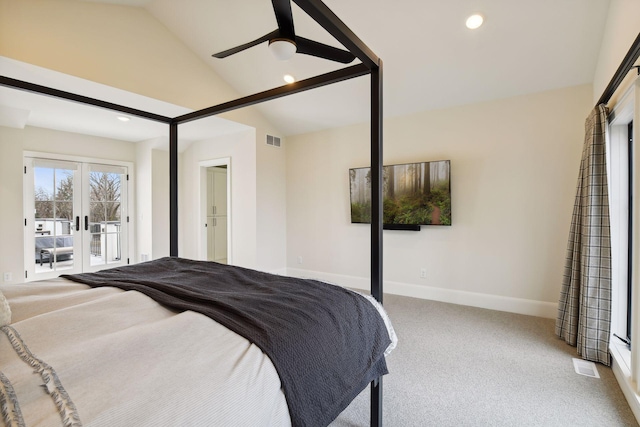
x=271 y=206
x=514 y=167
x=241 y=148
x=11 y=202
x=13 y=142
x=152 y=199
x=623 y=25
x=127 y=48
x=144 y=199
x=160 y=203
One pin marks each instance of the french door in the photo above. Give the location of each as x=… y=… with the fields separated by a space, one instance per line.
x=76 y=217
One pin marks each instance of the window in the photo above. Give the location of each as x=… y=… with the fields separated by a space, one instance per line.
x=623 y=166
x=630 y=226
x=620 y=164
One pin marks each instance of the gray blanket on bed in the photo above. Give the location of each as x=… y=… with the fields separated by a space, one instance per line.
x=326 y=342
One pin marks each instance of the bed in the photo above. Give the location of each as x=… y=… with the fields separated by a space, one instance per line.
x=108 y=354
x=31 y=321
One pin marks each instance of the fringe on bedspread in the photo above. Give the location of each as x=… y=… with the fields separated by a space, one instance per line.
x=9 y=406
x=52 y=384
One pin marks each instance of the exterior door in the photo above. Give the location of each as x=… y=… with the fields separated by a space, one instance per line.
x=105 y=218
x=74 y=215
x=52 y=237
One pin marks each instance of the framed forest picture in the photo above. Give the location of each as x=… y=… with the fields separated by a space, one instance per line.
x=413 y=193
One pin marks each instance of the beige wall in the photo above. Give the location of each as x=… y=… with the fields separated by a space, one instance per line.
x=120 y=46
x=514 y=166
x=127 y=48
x=506 y=247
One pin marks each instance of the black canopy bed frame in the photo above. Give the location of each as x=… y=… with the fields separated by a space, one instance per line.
x=370 y=64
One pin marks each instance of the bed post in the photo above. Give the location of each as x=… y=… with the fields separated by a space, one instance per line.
x=173 y=189
x=376 y=219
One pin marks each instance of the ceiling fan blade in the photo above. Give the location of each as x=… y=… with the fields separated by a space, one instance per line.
x=284 y=16
x=229 y=52
x=310 y=47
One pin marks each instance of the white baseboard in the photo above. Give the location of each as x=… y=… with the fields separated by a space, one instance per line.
x=474 y=299
x=279 y=271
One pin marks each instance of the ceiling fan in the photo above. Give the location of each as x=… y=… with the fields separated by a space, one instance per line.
x=284 y=43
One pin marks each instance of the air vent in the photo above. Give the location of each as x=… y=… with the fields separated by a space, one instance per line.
x=586 y=368
x=273 y=140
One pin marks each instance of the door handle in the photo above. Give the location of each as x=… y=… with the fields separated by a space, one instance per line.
x=77 y=223
x=86 y=223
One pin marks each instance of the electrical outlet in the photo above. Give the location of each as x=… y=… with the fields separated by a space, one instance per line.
x=299 y=260
x=423 y=273
x=7 y=277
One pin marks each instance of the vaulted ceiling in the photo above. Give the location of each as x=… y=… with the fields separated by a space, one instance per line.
x=431 y=60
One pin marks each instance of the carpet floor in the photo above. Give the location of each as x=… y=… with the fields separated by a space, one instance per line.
x=465 y=366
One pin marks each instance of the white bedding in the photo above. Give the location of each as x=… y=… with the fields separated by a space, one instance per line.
x=124 y=360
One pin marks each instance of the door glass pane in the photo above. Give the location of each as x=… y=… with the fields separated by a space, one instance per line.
x=53 y=218
x=64 y=185
x=105 y=218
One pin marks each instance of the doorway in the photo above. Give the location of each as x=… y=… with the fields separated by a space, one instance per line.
x=215 y=198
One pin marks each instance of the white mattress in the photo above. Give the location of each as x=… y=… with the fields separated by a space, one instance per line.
x=124 y=360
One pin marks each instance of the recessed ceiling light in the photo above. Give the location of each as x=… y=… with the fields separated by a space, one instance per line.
x=474 y=21
x=289 y=78
x=123 y=118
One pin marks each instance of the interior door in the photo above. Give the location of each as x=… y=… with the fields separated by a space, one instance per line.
x=220 y=214
x=217 y=214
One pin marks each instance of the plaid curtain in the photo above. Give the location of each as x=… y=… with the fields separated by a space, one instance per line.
x=584 y=309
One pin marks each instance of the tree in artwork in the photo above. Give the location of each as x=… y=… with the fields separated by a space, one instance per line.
x=413 y=193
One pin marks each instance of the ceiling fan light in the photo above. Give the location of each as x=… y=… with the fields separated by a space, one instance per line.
x=282 y=49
